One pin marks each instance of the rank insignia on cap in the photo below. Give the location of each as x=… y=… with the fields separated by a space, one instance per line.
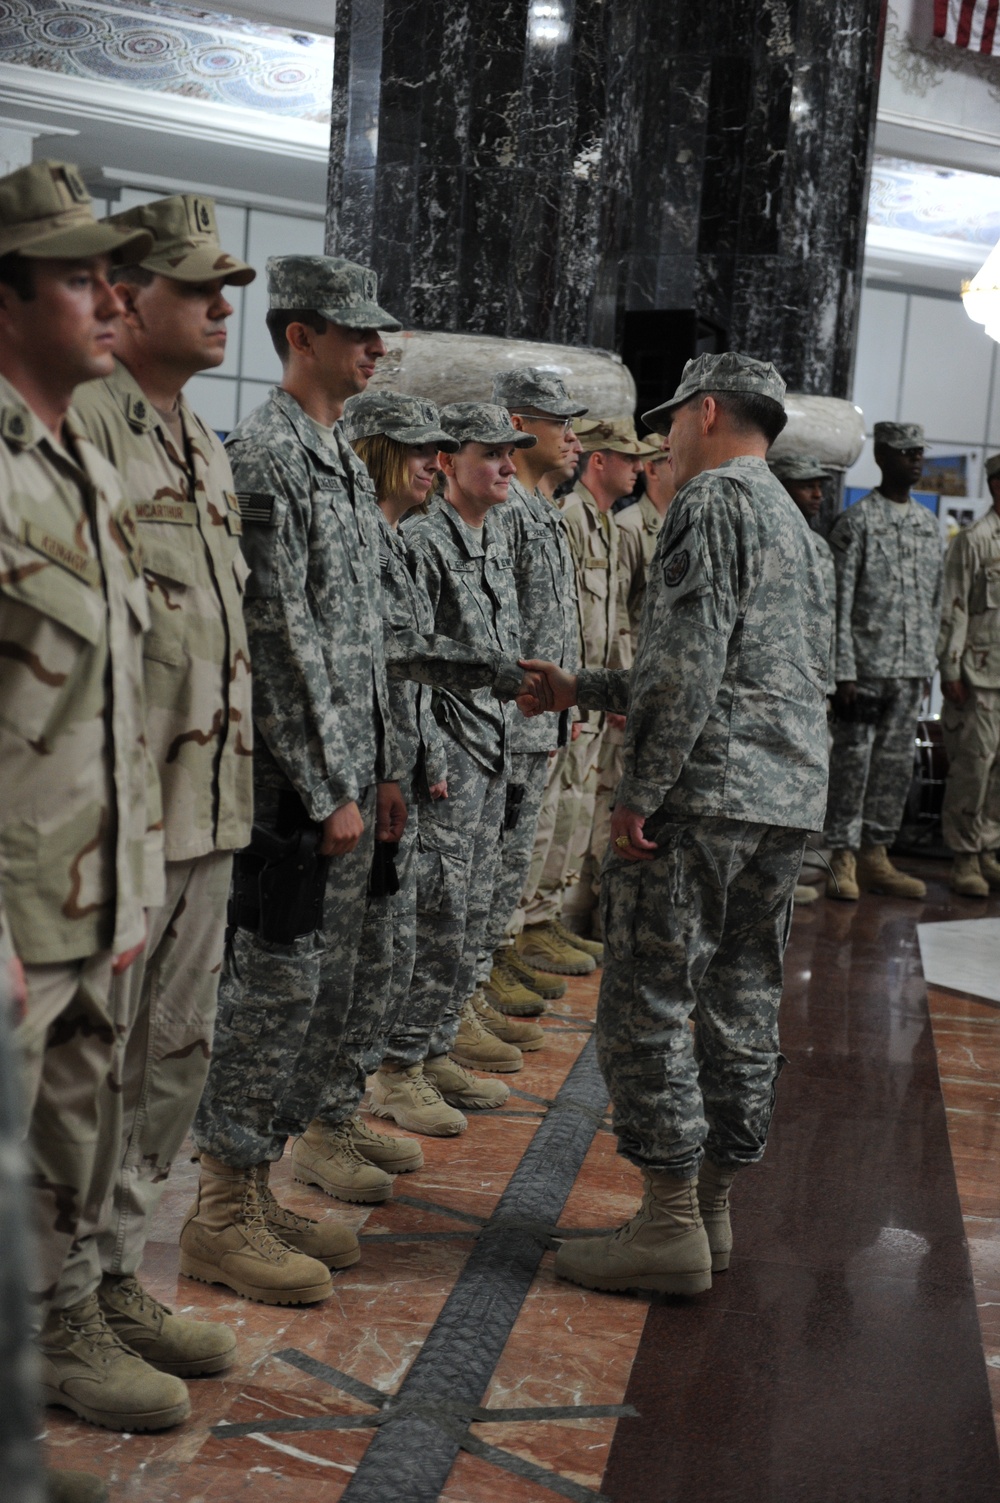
x=74 y=182
x=675 y=568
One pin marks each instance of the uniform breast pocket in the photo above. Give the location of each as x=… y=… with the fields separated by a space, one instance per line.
x=335 y=530
x=49 y=625
x=992 y=587
x=595 y=579
x=170 y=577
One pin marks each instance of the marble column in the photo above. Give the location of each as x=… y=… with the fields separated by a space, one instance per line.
x=753 y=162
x=482 y=156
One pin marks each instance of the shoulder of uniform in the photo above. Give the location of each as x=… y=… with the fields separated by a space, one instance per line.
x=19 y=427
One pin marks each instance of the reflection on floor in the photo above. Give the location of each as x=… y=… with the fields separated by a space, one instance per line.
x=839 y=1359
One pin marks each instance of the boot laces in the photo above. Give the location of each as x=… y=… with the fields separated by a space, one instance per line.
x=342 y=1141
x=91 y=1325
x=426 y=1091
x=253 y=1216
x=146 y=1304
x=471 y=1021
x=486 y=1011
x=275 y=1214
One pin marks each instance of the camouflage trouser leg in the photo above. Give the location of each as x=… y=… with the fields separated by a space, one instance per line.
x=166 y=1000
x=457 y=846
x=364 y=1030
x=581 y=902
x=528 y=771
x=282 y=1010
x=970 y=815
x=20 y=1420
x=536 y=906
x=69 y=1049
x=871 y=767
x=574 y=818
x=697 y=933
x=403 y=916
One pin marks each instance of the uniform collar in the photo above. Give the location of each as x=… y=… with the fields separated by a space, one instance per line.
x=306 y=431
x=472 y=546
x=20 y=429
x=651 y=519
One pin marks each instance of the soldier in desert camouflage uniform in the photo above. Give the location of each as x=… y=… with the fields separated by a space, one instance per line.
x=968 y=651
x=887 y=552
x=639 y=529
x=81 y=849
x=725 y=770
x=324 y=757
x=177 y=478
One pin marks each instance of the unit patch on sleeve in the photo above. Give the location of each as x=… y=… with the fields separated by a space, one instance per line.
x=676 y=567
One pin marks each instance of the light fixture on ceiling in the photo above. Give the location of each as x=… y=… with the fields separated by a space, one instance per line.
x=981 y=296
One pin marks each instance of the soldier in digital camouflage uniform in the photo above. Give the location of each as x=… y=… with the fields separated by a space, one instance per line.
x=81 y=848
x=324 y=756
x=803 y=478
x=887 y=552
x=639 y=529
x=389 y=431
x=968 y=652
x=725 y=771
x=179 y=485
x=462 y=565
x=545 y=581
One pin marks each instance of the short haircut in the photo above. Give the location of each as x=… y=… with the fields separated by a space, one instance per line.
x=385 y=461
x=278 y=320
x=748 y=412
x=135 y=276
x=16 y=272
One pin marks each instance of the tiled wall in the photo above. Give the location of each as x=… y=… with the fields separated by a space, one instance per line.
x=921 y=359
x=225 y=395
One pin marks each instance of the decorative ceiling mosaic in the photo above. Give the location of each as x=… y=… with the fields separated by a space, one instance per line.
x=173 y=49
x=934 y=201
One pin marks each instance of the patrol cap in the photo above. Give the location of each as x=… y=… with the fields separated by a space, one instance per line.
x=992 y=466
x=798 y=467
x=658 y=441
x=617 y=434
x=339 y=290
x=185 y=240
x=45 y=211
x=726 y=372
x=527 y=386
x=407 y=420
x=899 y=435
x=483 y=423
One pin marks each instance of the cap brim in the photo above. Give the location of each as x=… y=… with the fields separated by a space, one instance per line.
x=206 y=263
x=415 y=437
x=551 y=409
x=362 y=316
x=83 y=240
x=655 y=417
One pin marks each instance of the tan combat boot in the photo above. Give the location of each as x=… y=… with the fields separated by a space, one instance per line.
x=843 y=881
x=713 y=1202
x=664 y=1247
x=394 y=1155
x=86 y=1368
x=542 y=948
x=478 y=1049
x=527 y=1036
x=966 y=876
x=876 y=873
x=327 y=1240
x=186 y=1348
x=405 y=1095
x=542 y=983
x=225 y=1240
x=461 y=1088
x=509 y=993
x=577 y=942
x=72 y=1487
x=990 y=868
x=326 y=1157
x=804 y=894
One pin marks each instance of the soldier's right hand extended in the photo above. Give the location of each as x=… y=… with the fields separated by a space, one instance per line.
x=955 y=692
x=847 y=693
x=342 y=830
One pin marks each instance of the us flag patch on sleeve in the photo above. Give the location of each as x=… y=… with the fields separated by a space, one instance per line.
x=256 y=507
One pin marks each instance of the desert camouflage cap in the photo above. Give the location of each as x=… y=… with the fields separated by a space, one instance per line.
x=658 y=441
x=992 y=466
x=407 y=420
x=798 y=467
x=340 y=290
x=899 y=435
x=617 y=434
x=528 y=386
x=45 y=211
x=483 y=423
x=185 y=240
x=727 y=372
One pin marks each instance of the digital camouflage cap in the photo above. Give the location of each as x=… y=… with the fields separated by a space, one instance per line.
x=617 y=434
x=406 y=420
x=798 y=467
x=339 y=290
x=726 y=372
x=185 y=240
x=46 y=211
x=483 y=423
x=528 y=386
x=899 y=435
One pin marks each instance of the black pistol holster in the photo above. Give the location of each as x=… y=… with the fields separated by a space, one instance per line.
x=278 y=885
x=512 y=805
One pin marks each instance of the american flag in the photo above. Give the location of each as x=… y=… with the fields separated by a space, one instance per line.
x=968 y=23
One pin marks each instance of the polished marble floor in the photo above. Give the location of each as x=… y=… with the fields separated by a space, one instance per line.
x=840 y=1359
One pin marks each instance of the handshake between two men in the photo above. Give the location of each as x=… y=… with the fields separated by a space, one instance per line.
x=547 y=687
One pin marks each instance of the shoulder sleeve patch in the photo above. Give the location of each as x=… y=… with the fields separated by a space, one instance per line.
x=256 y=508
x=675 y=567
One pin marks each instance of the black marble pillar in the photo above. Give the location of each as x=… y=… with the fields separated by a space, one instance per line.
x=537 y=168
